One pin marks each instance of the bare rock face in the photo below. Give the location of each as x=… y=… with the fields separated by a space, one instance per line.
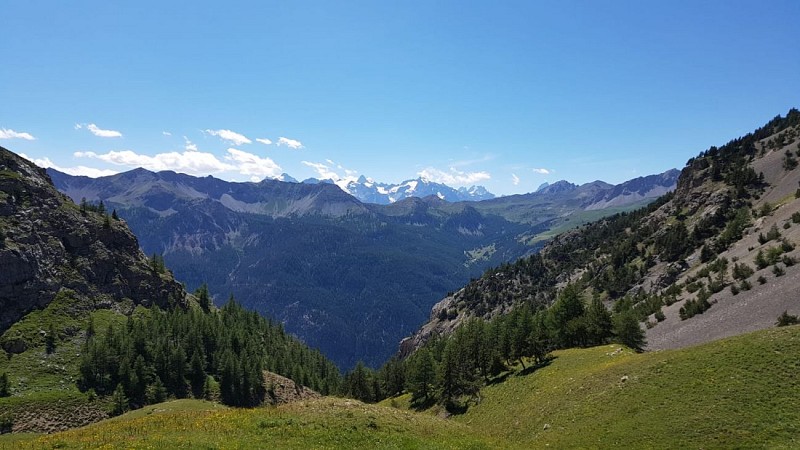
x=282 y=390
x=48 y=243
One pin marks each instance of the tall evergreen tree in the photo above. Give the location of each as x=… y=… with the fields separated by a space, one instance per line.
x=4 y=385
x=119 y=401
x=599 y=326
x=421 y=376
x=359 y=384
x=393 y=377
x=628 y=331
x=203 y=297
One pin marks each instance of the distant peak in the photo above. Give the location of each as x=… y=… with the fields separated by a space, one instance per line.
x=559 y=186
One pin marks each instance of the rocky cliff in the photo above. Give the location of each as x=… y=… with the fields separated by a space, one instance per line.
x=49 y=244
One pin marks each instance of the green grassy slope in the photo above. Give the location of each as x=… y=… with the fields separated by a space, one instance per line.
x=739 y=392
x=323 y=423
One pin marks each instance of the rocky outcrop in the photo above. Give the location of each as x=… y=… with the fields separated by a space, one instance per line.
x=48 y=243
x=282 y=390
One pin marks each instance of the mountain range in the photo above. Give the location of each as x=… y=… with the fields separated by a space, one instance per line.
x=348 y=277
x=91 y=327
x=369 y=191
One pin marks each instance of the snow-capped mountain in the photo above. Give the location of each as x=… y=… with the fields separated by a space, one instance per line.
x=370 y=191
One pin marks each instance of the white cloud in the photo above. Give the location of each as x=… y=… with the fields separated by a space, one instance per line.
x=514 y=179
x=327 y=172
x=190 y=146
x=75 y=171
x=542 y=171
x=250 y=164
x=95 y=130
x=454 y=177
x=166 y=133
x=264 y=141
x=191 y=162
x=230 y=136
x=291 y=143
x=6 y=133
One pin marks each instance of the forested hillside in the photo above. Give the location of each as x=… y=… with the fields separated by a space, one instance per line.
x=91 y=327
x=728 y=233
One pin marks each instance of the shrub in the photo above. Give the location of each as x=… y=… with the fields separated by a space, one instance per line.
x=778 y=271
x=694 y=287
x=697 y=306
x=6 y=425
x=745 y=285
x=741 y=271
x=761 y=260
x=734 y=289
x=761 y=279
x=786 y=319
x=660 y=316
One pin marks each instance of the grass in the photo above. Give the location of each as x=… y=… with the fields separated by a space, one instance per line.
x=739 y=392
x=43 y=385
x=35 y=371
x=322 y=423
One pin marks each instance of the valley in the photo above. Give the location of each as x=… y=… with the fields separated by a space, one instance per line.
x=347 y=277
x=399 y=225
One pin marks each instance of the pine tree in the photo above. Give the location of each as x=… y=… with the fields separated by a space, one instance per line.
x=598 y=322
x=50 y=339
x=569 y=306
x=119 y=401
x=203 y=297
x=447 y=378
x=114 y=215
x=359 y=384
x=628 y=331
x=197 y=375
x=538 y=338
x=393 y=377
x=4 y=385
x=156 y=392
x=421 y=376
x=520 y=347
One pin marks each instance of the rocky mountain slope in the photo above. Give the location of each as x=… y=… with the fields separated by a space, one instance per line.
x=48 y=244
x=714 y=259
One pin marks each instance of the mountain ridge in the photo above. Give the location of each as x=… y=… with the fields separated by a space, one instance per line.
x=671 y=261
x=282 y=247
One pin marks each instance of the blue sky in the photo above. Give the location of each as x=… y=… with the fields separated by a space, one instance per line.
x=503 y=94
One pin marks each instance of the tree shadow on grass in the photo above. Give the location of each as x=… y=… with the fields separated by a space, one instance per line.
x=498 y=379
x=423 y=404
x=533 y=368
